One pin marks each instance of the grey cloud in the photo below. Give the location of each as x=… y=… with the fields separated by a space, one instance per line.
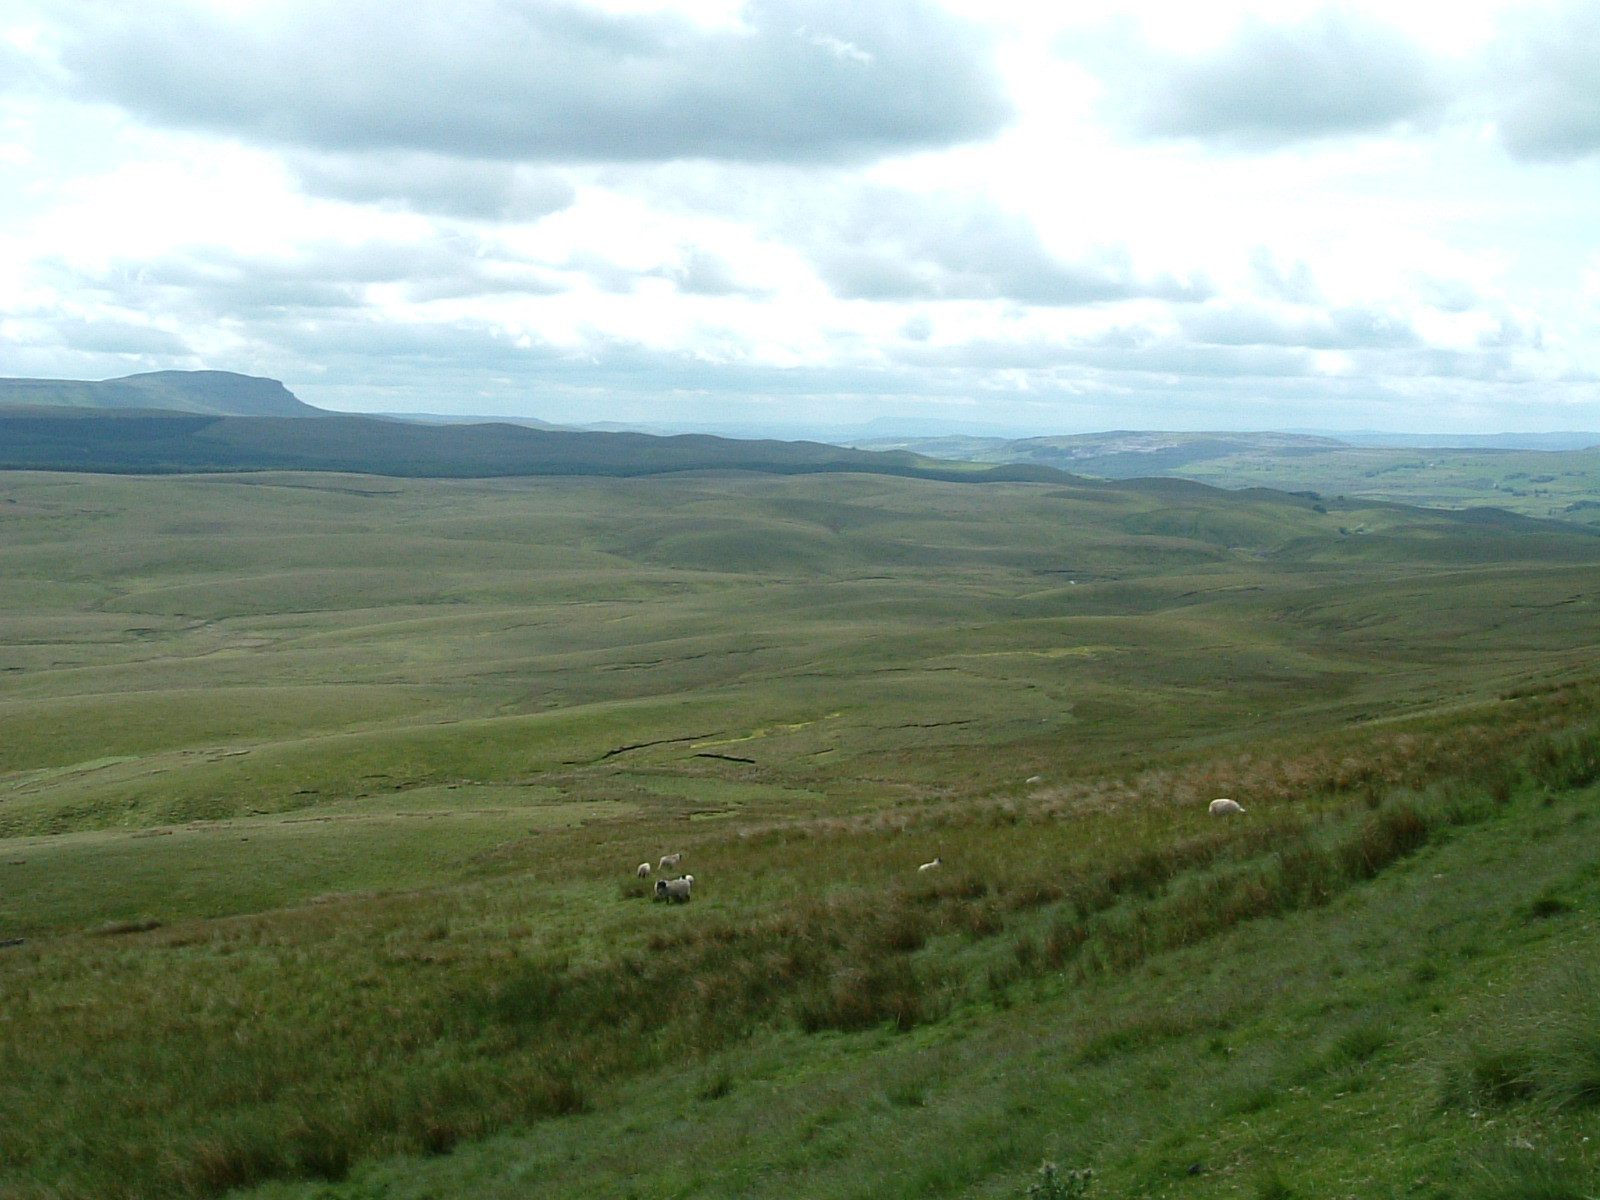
x=1371 y=346
x=1511 y=332
x=1546 y=82
x=1338 y=328
x=1449 y=295
x=1487 y=365
x=117 y=337
x=16 y=68
x=1293 y=281
x=431 y=183
x=1336 y=73
x=1124 y=350
x=703 y=272
x=211 y=281
x=901 y=246
x=550 y=80
x=605 y=273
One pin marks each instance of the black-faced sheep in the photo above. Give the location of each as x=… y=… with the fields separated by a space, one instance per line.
x=1223 y=808
x=675 y=891
x=931 y=866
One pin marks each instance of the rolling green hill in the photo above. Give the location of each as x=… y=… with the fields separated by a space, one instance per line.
x=322 y=794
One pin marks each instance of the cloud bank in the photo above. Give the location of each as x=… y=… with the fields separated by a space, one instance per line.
x=549 y=80
x=697 y=210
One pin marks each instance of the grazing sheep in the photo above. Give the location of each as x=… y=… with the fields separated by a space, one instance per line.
x=1034 y=779
x=674 y=890
x=644 y=871
x=931 y=866
x=1223 y=808
x=669 y=861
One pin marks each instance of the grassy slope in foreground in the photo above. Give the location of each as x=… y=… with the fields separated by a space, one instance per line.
x=1430 y=1034
x=1337 y=996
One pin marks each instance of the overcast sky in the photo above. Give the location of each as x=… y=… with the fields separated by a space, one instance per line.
x=1034 y=217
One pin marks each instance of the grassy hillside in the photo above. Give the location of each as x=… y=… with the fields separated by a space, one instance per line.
x=321 y=796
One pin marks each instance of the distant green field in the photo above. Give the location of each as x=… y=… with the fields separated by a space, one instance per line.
x=321 y=798
x=1542 y=483
x=1555 y=484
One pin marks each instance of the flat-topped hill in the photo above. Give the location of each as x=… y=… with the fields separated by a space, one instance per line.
x=216 y=393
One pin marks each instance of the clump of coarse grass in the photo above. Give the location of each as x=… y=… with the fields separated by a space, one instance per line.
x=864 y=997
x=1566 y=759
x=715 y=1085
x=1547 y=1049
x=1486 y=1076
x=1518 y=1173
x=1052 y=1182
x=1391 y=833
x=1569 y=1059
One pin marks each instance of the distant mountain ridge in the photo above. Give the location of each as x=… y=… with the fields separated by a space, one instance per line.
x=141 y=441
x=209 y=393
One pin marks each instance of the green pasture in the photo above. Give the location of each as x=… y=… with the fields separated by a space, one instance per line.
x=1564 y=485
x=321 y=798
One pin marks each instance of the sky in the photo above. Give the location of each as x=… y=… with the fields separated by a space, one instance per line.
x=786 y=215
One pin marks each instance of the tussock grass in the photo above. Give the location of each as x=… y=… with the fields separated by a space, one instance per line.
x=1522 y=1174
x=290 y=1046
x=1541 y=1048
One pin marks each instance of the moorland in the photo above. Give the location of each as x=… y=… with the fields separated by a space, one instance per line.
x=322 y=792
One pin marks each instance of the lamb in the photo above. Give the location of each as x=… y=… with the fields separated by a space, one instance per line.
x=931 y=866
x=669 y=861
x=644 y=871
x=674 y=890
x=1223 y=808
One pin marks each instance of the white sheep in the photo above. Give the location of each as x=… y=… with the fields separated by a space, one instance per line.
x=931 y=866
x=674 y=890
x=669 y=861
x=1223 y=808
x=644 y=871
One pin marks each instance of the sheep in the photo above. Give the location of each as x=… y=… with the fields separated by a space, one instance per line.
x=931 y=866
x=1034 y=779
x=674 y=890
x=644 y=871
x=669 y=861
x=1223 y=808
